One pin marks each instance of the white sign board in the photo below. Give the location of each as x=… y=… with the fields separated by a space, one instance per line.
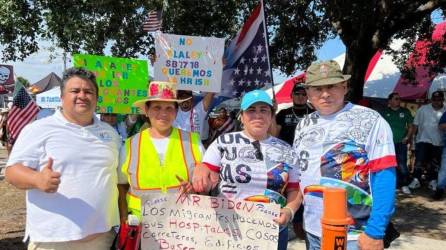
x=49 y=99
x=194 y=63
x=204 y=222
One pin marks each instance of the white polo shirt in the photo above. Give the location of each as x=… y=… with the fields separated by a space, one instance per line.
x=87 y=158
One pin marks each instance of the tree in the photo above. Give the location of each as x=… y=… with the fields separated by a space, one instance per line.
x=297 y=28
x=300 y=27
x=23 y=81
x=19 y=25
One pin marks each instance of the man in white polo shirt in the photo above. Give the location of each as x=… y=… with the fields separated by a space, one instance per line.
x=67 y=164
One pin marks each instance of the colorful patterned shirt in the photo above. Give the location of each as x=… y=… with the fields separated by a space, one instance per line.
x=342 y=150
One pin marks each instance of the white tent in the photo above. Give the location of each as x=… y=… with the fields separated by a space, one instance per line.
x=49 y=99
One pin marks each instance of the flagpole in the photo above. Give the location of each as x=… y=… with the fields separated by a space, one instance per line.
x=265 y=27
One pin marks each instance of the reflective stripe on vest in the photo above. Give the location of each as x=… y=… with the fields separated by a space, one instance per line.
x=191 y=155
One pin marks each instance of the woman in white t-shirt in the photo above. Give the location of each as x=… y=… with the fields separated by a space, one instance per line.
x=160 y=158
x=252 y=165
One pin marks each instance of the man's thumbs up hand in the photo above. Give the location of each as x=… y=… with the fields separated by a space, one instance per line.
x=49 y=180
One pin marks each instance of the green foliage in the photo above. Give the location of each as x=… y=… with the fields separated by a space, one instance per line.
x=297 y=28
x=23 y=81
x=19 y=25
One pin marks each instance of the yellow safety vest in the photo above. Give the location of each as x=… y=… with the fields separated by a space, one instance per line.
x=144 y=171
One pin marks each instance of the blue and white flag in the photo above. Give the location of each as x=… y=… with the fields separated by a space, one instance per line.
x=247 y=64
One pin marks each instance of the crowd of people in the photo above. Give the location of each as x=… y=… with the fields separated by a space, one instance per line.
x=84 y=175
x=424 y=133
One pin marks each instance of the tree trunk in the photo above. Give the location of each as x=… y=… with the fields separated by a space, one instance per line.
x=356 y=64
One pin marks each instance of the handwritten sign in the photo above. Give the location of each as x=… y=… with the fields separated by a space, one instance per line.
x=194 y=63
x=204 y=222
x=121 y=81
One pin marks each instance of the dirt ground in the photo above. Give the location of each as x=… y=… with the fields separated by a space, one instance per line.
x=416 y=215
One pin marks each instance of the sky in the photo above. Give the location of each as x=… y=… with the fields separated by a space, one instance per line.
x=39 y=65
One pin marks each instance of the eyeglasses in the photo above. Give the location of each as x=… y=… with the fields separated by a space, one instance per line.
x=258 y=153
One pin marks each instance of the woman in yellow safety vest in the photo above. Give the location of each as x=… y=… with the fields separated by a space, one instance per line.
x=160 y=158
x=252 y=165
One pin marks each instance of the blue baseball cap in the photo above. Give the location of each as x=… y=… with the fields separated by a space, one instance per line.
x=253 y=97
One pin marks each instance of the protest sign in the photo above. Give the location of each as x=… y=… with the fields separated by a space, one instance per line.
x=204 y=222
x=121 y=81
x=6 y=79
x=49 y=99
x=194 y=63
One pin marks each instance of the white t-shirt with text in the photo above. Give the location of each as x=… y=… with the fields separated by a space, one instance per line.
x=245 y=173
x=341 y=150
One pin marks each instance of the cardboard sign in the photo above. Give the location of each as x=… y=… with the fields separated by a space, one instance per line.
x=6 y=79
x=121 y=81
x=194 y=63
x=204 y=222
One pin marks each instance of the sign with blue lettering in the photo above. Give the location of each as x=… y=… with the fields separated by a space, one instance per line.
x=194 y=63
x=49 y=99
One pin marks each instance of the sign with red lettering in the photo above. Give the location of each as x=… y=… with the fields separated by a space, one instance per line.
x=202 y=222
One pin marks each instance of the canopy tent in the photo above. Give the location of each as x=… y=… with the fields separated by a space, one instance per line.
x=383 y=76
x=49 y=99
x=48 y=82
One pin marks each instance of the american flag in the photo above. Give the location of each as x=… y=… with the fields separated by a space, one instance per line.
x=247 y=61
x=22 y=112
x=154 y=21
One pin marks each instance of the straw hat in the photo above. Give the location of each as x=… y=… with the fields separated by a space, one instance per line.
x=160 y=91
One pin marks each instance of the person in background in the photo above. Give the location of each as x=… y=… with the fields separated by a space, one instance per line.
x=441 y=181
x=349 y=146
x=112 y=120
x=252 y=164
x=287 y=119
x=400 y=119
x=428 y=142
x=134 y=124
x=67 y=163
x=221 y=121
x=162 y=155
x=193 y=118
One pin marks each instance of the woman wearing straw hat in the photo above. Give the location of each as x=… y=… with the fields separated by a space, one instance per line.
x=160 y=158
x=252 y=165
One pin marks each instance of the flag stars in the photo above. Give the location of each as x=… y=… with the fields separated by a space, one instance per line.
x=245 y=71
x=255 y=59
x=237 y=71
x=257 y=82
x=259 y=70
x=242 y=60
x=263 y=58
x=259 y=48
x=251 y=70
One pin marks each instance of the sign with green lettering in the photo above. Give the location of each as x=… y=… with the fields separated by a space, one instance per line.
x=121 y=81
